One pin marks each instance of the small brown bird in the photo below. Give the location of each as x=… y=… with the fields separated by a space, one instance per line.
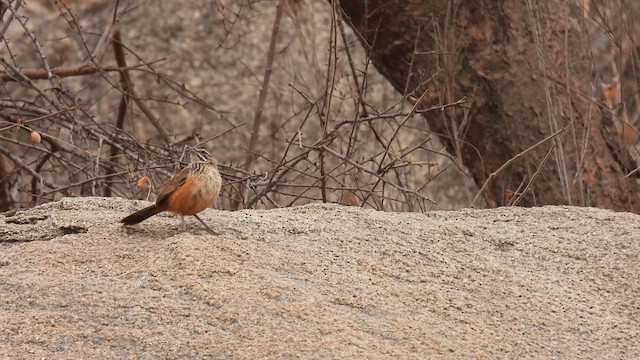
x=188 y=192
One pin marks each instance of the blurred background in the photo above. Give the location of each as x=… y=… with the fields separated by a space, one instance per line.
x=134 y=82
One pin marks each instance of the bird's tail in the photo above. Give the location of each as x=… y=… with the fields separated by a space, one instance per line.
x=141 y=215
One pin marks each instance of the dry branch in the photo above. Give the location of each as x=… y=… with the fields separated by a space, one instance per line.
x=264 y=89
x=62 y=72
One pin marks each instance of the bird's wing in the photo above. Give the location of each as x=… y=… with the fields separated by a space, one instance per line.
x=172 y=185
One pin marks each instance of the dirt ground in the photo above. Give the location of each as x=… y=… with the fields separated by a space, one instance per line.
x=319 y=281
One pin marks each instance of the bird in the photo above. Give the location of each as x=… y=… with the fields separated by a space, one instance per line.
x=188 y=192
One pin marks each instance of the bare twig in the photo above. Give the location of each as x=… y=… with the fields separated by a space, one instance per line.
x=81 y=70
x=26 y=168
x=510 y=161
x=521 y=194
x=264 y=90
x=119 y=54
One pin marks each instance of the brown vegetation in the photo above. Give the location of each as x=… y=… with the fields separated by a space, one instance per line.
x=116 y=97
x=530 y=102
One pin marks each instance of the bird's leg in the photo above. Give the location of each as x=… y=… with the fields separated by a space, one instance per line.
x=183 y=223
x=206 y=226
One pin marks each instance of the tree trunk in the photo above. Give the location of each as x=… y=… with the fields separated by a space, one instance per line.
x=525 y=70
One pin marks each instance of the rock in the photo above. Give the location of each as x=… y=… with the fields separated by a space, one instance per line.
x=319 y=281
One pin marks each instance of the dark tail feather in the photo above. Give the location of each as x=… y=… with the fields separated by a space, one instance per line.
x=141 y=215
